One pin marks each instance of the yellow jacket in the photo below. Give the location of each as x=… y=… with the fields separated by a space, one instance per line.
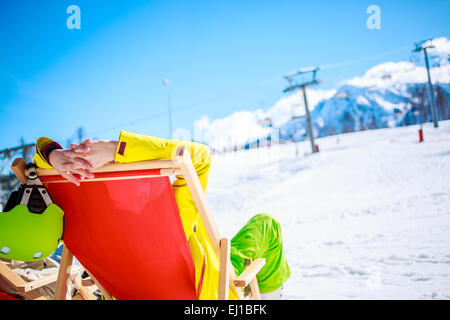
x=135 y=147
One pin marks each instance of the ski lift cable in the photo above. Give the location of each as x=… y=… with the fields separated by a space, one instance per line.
x=241 y=89
x=153 y=116
x=355 y=61
x=189 y=106
x=349 y=62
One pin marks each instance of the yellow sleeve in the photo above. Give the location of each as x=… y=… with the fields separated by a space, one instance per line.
x=39 y=159
x=136 y=147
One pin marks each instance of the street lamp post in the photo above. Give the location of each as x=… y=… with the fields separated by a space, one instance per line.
x=169 y=107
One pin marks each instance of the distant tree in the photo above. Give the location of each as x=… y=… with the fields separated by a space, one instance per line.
x=348 y=123
x=420 y=97
x=373 y=123
x=362 y=125
x=442 y=103
x=330 y=130
x=80 y=134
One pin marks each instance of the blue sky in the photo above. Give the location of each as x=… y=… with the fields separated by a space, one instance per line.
x=219 y=56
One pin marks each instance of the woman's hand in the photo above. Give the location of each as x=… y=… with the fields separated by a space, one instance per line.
x=97 y=153
x=66 y=162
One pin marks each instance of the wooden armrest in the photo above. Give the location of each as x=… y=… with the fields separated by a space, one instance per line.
x=35 y=284
x=172 y=165
x=249 y=273
x=32 y=285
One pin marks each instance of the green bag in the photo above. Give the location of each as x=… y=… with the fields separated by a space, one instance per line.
x=261 y=238
x=31 y=225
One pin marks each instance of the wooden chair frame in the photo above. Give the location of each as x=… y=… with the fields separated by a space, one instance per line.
x=28 y=289
x=181 y=165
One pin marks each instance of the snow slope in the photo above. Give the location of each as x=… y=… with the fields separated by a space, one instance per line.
x=366 y=218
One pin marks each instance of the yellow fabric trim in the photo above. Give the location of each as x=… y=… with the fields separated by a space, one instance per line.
x=39 y=159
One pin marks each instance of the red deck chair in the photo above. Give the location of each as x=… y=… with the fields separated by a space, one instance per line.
x=124 y=227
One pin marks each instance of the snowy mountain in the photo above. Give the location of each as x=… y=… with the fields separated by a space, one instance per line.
x=388 y=95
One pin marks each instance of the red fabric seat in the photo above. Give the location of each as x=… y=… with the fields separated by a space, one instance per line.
x=5 y=296
x=128 y=233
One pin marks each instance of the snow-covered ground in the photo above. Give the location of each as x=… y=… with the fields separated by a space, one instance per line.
x=366 y=218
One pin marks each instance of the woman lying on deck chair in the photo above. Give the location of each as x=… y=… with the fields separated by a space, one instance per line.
x=259 y=238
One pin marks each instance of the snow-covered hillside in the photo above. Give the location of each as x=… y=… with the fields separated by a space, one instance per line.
x=388 y=95
x=368 y=217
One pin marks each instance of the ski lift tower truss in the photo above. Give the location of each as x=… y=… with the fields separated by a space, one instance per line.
x=293 y=86
x=423 y=46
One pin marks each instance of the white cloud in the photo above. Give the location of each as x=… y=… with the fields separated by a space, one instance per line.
x=237 y=129
x=395 y=74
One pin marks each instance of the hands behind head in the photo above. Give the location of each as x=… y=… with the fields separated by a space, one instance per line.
x=82 y=158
